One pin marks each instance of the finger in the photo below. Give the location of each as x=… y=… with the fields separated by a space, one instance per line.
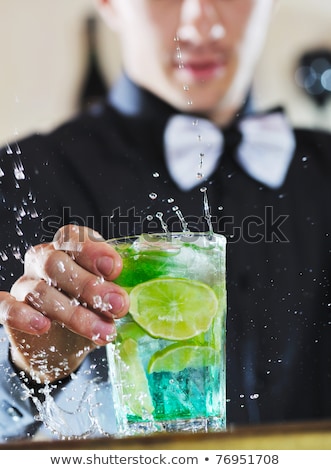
x=20 y=316
x=89 y=250
x=69 y=313
x=62 y=272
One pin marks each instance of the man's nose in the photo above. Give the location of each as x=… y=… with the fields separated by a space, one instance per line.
x=200 y=21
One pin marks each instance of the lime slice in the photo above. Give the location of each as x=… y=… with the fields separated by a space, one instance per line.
x=176 y=357
x=136 y=393
x=130 y=330
x=174 y=309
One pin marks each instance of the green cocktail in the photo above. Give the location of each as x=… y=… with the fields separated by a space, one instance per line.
x=167 y=364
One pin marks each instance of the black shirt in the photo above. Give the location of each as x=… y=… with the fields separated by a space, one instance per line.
x=106 y=169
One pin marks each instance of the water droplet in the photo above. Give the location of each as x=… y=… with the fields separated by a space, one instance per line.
x=58 y=306
x=156 y=174
x=149 y=217
x=186 y=87
x=19 y=170
x=33 y=214
x=21 y=211
x=17 y=253
x=61 y=267
x=111 y=338
x=19 y=231
x=153 y=196
x=190 y=102
x=31 y=197
x=3 y=256
x=254 y=396
x=171 y=200
x=97 y=301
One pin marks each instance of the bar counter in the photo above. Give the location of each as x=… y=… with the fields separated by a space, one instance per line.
x=289 y=436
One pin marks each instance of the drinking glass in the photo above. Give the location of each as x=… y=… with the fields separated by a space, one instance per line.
x=167 y=364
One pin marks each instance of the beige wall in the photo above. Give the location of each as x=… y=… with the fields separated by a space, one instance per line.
x=298 y=26
x=43 y=58
x=42 y=62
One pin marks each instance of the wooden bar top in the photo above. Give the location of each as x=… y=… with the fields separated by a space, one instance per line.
x=289 y=436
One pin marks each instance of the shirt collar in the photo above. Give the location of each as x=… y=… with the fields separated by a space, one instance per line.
x=132 y=100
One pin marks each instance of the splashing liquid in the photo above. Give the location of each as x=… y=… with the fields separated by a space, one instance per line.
x=206 y=210
x=181 y=218
x=159 y=215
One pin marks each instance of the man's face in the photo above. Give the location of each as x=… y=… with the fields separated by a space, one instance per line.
x=198 y=55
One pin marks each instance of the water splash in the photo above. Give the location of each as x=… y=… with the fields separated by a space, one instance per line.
x=9 y=150
x=159 y=215
x=181 y=218
x=200 y=174
x=206 y=210
x=19 y=170
x=59 y=421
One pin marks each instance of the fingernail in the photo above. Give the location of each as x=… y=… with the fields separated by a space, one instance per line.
x=103 y=332
x=115 y=302
x=39 y=322
x=105 y=265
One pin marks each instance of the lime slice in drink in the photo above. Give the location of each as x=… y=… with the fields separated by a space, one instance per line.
x=174 y=309
x=130 y=330
x=136 y=393
x=177 y=357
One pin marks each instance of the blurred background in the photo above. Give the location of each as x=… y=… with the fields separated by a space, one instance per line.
x=58 y=56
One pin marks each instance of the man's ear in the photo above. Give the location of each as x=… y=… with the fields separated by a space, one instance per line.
x=107 y=11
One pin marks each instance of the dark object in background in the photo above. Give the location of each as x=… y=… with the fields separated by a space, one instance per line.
x=314 y=75
x=94 y=85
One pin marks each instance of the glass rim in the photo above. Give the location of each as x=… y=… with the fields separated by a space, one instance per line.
x=186 y=236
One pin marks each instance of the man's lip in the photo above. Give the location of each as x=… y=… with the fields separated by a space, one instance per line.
x=203 y=70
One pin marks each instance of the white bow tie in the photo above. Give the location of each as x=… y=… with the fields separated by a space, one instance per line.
x=193 y=148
